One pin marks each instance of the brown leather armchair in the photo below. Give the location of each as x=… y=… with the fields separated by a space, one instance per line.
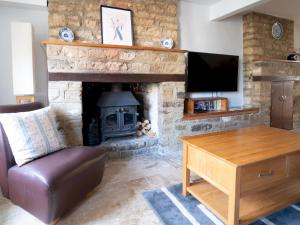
x=49 y=186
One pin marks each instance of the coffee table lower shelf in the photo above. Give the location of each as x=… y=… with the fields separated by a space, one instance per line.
x=252 y=206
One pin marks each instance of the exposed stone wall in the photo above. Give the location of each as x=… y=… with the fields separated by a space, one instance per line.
x=65 y=98
x=109 y=60
x=259 y=45
x=258 y=41
x=172 y=125
x=152 y=19
x=275 y=67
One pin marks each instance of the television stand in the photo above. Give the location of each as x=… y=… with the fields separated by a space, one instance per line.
x=206 y=105
x=192 y=111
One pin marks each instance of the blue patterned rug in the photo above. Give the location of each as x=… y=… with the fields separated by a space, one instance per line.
x=174 y=209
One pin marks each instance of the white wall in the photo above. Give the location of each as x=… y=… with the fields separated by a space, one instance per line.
x=297 y=37
x=198 y=33
x=38 y=17
x=42 y=3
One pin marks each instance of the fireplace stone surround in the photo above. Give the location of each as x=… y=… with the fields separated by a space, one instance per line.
x=149 y=67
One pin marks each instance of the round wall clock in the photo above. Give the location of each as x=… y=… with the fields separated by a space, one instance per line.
x=277 y=30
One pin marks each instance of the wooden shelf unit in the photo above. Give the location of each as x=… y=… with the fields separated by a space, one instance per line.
x=189 y=104
x=93 y=44
x=252 y=206
x=191 y=114
x=230 y=112
x=276 y=60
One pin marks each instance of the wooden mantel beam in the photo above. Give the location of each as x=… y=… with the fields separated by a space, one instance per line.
x=116 y=77
x=93 y=44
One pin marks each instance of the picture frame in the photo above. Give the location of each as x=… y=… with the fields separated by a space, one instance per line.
x=116 y=26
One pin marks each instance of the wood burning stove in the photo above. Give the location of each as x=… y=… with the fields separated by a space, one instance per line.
x=118 y=114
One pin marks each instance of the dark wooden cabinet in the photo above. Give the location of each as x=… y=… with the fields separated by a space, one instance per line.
x=282 y=104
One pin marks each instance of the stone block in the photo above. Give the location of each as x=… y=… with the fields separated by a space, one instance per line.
x=93 y=66
x=68 y=109
x=168 y=93
x=180 y=95
x=54 y=94
x=180 y=127
x=201 y=127
x=54 y=50
x=127 y=56
x=58 y=84
x=139 y=68
x=168 y=104
x=83 y=53
x=91 y=24
x=84 y=34
x=72 y=96
x=111 y=54
x=56 y=20
x=73 y=21
x=93 y=14
x=116 y=67
x=58 y=65
x=75 y=86
x=70 y=52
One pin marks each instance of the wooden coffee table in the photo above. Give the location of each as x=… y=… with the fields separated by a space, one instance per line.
x=247 y=173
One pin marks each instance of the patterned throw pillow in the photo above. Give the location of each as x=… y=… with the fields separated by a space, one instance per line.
x=31 y=134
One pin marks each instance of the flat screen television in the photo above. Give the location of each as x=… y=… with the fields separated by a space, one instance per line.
x=212 y=72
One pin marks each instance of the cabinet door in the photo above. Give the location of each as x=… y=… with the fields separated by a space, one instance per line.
x=288 y=105
x=110 y=119
x=129 y=118
x=277 y=104
x=282 y=105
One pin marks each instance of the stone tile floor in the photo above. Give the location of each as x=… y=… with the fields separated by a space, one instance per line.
x=118 y=199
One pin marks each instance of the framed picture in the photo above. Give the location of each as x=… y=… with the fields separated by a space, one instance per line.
x=116 y=25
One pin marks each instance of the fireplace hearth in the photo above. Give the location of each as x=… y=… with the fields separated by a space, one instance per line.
x=118 y=114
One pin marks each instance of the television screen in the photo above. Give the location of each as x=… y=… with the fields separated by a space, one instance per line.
x=212 y=72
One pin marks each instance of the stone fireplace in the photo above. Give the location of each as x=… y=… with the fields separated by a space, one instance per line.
x=81 y=75
x=155 y=76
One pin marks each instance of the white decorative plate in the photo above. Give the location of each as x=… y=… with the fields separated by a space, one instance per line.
x=66 y=34
x=167 y=43
x=277 y=30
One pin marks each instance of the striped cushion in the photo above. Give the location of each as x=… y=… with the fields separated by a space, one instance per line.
x=31 y=134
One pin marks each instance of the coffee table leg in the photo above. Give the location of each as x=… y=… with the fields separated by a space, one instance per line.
x=186 y=171
x=234 y=200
